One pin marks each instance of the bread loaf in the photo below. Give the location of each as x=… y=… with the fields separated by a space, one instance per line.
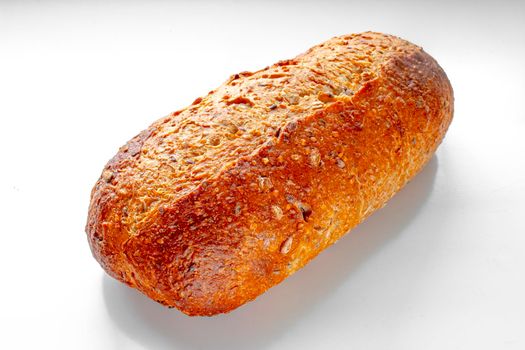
x=214 y=204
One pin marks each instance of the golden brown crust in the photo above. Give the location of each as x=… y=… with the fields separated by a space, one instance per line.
x=214 y=204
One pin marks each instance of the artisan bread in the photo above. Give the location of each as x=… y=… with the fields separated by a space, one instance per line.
x=212 y=205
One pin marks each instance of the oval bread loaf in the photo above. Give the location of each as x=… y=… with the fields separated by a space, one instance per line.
x=214 y=204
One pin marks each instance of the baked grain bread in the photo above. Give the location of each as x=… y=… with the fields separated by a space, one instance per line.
x=214 y=204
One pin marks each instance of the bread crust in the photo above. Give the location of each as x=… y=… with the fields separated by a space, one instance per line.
x=246 y=212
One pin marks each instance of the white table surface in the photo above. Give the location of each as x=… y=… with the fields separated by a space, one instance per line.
x=442 y=266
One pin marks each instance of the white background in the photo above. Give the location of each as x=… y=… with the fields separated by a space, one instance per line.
x=442 y=266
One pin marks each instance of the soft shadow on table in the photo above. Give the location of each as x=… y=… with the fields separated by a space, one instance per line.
x=257 y=324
